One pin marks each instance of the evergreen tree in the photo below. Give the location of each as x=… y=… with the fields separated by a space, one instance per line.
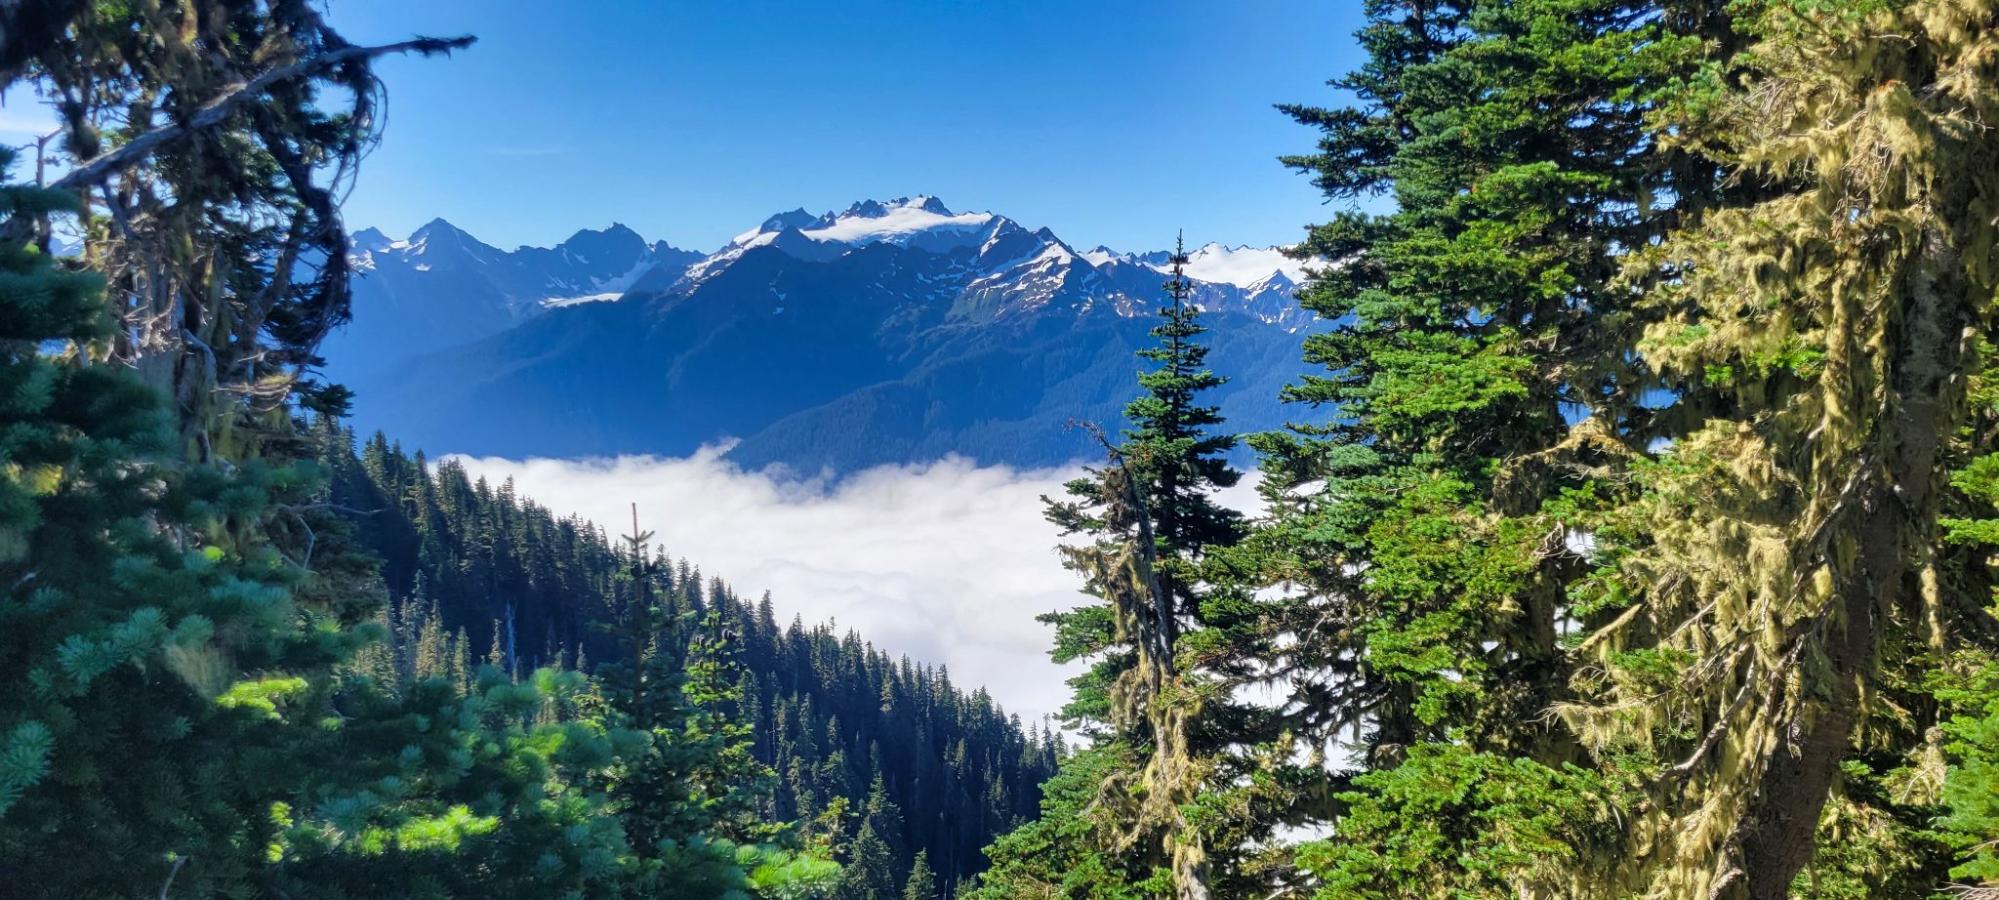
x=504 y=800
x=870 y=865
x=643 y=693
x=1479 y=393
x=922 y=882
x=1057 y=854
x=1781 y=590
x=149 y=629
x=1163 y=640
x=1644 y=395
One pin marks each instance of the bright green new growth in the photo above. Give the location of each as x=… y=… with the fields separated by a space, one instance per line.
x=158 y=658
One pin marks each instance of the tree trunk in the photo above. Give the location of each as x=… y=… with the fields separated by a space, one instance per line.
x=1898 y=516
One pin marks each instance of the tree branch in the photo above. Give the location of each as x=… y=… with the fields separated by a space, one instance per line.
x=219 y=108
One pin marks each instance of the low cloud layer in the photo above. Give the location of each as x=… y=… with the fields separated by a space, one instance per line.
x=947 y=562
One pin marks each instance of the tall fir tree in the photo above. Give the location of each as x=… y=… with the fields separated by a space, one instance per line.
x=1162 y=639
x=1475 y=397
x=1645 y=395
x=922 y=881
x=1783 y=588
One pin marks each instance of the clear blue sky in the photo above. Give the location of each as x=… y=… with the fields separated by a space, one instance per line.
x=1111 y=122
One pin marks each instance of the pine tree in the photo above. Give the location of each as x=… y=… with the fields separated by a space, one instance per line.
x=1162 y=659
x=1780 y=588
x=1477 y=397
x=922 y=881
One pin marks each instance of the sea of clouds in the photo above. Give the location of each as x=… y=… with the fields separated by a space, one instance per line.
x=947 y=562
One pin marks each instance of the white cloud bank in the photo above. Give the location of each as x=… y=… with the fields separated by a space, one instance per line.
x=947 y=562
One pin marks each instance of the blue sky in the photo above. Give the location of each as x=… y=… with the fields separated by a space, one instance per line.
x=1111 y=122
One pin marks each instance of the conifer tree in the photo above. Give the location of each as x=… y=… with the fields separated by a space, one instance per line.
x=1780 y=587
x=148 y=621
x=1691 y=506
x=1162 y=666
x=871 y=867
x=922 y=882
x=642 y=689
x=1464 y=420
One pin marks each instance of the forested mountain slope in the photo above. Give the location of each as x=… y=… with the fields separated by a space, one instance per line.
x=842 y=724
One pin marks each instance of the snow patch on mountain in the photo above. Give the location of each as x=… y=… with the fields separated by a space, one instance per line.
x=605 y=289
x=1102 y=256
x=560 y=302
x=896 y=222
x=441 y=286
x=967 y=267
x=1244 y=267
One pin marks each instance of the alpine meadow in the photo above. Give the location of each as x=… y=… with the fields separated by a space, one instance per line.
x=1556 y=458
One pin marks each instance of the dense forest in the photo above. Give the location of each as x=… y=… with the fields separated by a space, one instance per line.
x=1632 y=538
x=851 y=738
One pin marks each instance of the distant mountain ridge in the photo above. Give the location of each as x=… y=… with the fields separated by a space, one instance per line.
x=891 y=331
x=441 y=286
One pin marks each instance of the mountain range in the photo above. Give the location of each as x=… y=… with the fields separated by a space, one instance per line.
x=892 y=331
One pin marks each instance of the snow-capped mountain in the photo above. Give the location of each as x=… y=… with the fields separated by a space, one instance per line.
x=1264 y=279
x=1242 y=266
x=1008 y=269
x=441 y=286
x=889 y=331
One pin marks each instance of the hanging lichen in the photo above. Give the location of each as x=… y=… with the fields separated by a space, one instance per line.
x=1818 y=333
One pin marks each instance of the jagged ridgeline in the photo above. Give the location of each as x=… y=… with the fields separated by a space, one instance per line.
x=476 y=573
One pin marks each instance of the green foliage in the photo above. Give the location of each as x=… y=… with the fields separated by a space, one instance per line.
x=922 y=881
x=1971 y=793
x=777 y=874
x=1057 y=854
x=158 y=666
x=1449 y=822
x=1642 y=397
x=1423 y=531
x=1170 y=636
x=443 y=789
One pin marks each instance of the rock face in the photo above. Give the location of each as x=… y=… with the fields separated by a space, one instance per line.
x=891 y=332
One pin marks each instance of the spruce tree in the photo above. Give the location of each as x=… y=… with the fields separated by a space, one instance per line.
x=1162 y=667
x=1461 y=428
x=1782 y=588
x=922 y=881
